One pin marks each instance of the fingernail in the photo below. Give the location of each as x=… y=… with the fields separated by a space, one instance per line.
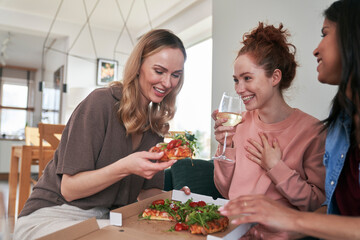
x=221 y=208
x=223 y=212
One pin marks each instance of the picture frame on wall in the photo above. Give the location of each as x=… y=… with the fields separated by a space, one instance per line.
x=106 y=71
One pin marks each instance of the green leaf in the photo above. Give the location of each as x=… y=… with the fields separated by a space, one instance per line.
x=190 y=138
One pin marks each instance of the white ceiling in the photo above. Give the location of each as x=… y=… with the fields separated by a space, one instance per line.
x=28 y=23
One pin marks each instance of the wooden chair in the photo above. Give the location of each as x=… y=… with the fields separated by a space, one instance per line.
x=22 y=157
x=31 y=136
x=51 y=133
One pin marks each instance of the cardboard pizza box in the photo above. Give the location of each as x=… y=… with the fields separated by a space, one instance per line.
x=127 y=218
x=125 y=224
x=88 y=229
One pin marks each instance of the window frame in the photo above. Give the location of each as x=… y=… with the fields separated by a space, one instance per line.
x=29 y=82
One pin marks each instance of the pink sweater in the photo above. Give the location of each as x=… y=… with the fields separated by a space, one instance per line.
x=297 y=180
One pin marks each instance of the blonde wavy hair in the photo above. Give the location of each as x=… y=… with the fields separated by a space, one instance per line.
x=135 y=118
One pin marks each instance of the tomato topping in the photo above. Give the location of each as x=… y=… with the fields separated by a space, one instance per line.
x=158 y=202
x=178 y=227
x=184 y=226
x=201 y=203
x=193 y=204
x=174 y=143
x=171 y=144
x=178 y=143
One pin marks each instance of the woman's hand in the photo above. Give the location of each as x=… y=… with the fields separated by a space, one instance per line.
x=259 y=231
x=87 y=183
x=220 y=130
x=260 y=209
x=274 y=216
x=186 y=190
x=139 y=164
x=265 y=154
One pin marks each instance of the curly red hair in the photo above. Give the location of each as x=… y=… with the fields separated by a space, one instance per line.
x=269 y=47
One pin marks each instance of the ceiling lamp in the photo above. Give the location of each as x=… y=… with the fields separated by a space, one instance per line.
x=3 y=55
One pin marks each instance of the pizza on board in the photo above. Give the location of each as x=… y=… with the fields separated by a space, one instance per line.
x=161 y=210
x=197 y=217
x=180 y=147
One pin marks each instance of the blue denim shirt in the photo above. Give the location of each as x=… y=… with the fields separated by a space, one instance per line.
x=336 y=147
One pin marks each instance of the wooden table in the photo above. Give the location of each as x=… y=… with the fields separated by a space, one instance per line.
x=27 y=156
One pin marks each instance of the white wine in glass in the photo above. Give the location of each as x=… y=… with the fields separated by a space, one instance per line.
x=233 y=119
x=230 y=108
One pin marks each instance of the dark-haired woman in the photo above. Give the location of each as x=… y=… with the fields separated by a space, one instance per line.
x=277 y=149
x=102 y=161
x=338 y=56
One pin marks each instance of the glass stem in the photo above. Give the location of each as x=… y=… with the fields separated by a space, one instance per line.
x=224 y=146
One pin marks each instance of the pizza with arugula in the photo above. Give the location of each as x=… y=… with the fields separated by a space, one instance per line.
x=180 y=147
x=197 y=217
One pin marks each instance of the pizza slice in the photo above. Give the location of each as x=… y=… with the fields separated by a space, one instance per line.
x=205 y=219
x=163 y=210
x=212 y=226
x=197 y=217
x=180 y=147
x=154 y=214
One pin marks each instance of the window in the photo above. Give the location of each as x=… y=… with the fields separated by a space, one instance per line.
x=194 y=100
x=17 y=92
x=51 y=95
x=51 y=98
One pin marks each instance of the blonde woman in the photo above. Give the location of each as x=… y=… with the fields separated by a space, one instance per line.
x=102 y=161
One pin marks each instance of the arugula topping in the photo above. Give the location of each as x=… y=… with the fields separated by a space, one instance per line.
x=201 y=217
x=201 y=214
x=163 y=146
x=188 y=139
x=188 y=213
x=170 y=207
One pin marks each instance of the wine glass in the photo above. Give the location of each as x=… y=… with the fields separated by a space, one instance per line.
x=231 y=107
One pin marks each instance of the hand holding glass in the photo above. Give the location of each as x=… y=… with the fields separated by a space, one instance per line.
x=230 y=108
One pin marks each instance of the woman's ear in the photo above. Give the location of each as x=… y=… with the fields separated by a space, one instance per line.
x=276 y=77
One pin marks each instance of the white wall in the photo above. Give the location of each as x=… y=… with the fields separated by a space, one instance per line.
x=303 y=18
x=5 y=153
x=231 y=19
x=80 y=64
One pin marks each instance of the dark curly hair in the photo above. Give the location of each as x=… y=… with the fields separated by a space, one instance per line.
x=270 y=49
